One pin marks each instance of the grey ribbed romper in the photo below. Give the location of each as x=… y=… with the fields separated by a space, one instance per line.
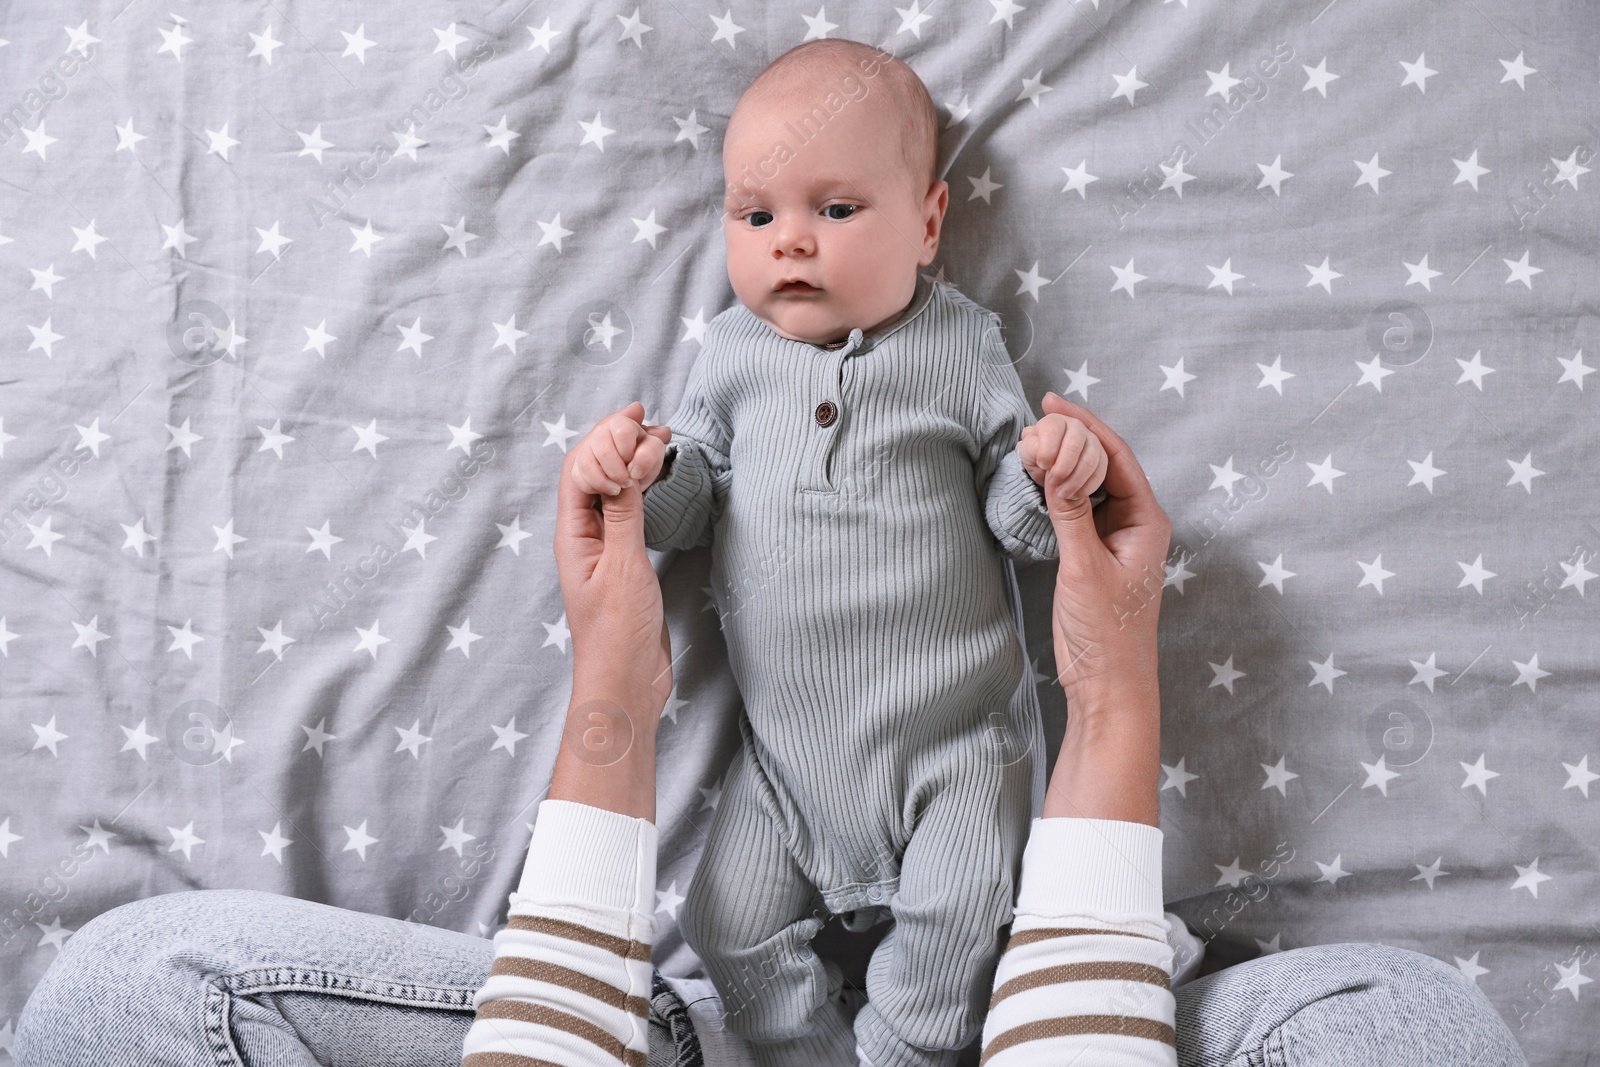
x=866 y=504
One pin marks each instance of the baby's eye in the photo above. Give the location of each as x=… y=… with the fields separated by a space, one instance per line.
x=848 y=209
x=758 y=219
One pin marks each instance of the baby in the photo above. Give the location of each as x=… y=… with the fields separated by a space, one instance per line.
x=857 y=440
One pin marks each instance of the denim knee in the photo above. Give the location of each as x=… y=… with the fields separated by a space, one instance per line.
x=97 y=981
x=1439 y=1000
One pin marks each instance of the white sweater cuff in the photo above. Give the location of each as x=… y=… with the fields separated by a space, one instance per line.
x=1105 y=867
x=585 y=856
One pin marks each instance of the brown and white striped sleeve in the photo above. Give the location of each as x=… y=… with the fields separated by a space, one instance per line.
x=570 y=982
x=1085 y=976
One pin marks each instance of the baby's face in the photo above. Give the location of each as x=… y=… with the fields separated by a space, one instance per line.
x=826 y=234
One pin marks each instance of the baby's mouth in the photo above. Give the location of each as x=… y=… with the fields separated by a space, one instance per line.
x=796 y=287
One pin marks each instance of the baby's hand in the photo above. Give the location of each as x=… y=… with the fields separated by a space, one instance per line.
x=619 y=451
x=1063 y=448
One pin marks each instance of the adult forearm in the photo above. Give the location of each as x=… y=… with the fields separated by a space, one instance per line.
x=607 y=757
x=1110 y=759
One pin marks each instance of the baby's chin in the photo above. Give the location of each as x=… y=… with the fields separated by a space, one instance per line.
x=818 y=324
x=813 y=326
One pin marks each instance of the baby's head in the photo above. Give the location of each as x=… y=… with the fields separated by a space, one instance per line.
x=830 y=161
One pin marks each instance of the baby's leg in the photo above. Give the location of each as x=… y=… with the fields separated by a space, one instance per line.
x=930 y=978
x=750 y=915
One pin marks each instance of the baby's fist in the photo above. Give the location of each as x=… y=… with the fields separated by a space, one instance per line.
x=1063 y=455
x=619 y=451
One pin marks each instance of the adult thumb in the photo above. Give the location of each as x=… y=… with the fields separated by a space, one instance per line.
x=1073 y=519
x=624 y=516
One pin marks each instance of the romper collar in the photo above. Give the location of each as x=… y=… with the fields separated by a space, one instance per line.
x=858 y=340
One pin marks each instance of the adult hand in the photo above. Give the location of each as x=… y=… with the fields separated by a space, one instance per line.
x=1106 y=606
x=1112 y=567
x=621 y=649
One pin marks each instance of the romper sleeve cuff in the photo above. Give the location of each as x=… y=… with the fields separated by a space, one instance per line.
x=673 y=497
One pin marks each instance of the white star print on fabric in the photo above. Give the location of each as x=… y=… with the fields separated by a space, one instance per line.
x=1430 y=872
x=1473 y=370
x=172 y=42
x=1324 y=473
x=1128 y=84
x=412 y=337
x=356 y=44
x=1474 y=574
x=1579 y=776
x=127 y=139
x=457 y=236
x=1078 y=179
x=1468 y=170
x=1127 y=278
x=1224 y=674
x=1574 y=370
x=1031 y=281
x=47 y=736
x=1417 y=73
x=449 y=40
x=912 y=18
x=1332 y=872
x=507 y=736
x=633 y=29
x=273 y=842
x=185 y=839
x=1178 y=778
x=668 y=900
x=1529 y=877
x=512 y=535
x=1273 y=375
x=1273 y=175
x=275 y=640
x=1424 y=473
x=1078 y=381
x=455 y=837
x=1517 y=71
x=1478 y=775
x=1274 y=574
x=1278 y=776
x=370 y=639
x=358 y=840
x=818 y=26
x=1529 y=673
x=1426 y=673
x=1378 y=776
x=543 y=36
x=727 y=30
x=1223 y=276
x=38 y=140
x=1326 y=673
x=595 y=132
x=1318 y=77
x=1322 y=275
x=316 y=737
x=1230 y=874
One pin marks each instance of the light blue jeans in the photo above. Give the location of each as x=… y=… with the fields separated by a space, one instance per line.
x=248 y=979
